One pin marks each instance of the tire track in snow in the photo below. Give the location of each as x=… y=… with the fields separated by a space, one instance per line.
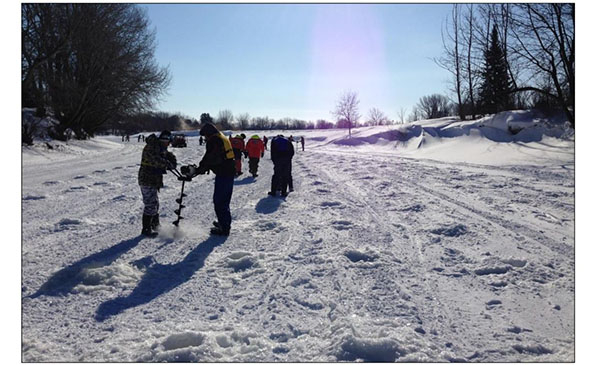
x=439 y=309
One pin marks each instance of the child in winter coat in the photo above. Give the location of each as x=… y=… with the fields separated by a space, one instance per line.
x=155 y=161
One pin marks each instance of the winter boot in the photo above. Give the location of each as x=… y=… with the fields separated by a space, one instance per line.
x=155 y=225
x=219 y=231
x=147 y=226
x=216 y=224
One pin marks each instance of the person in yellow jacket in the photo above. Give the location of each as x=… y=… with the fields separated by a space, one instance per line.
x=219 y=159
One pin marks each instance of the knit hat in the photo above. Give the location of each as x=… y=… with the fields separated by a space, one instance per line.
x=165 y=135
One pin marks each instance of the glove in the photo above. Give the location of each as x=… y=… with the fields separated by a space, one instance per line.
x=245 y=154
x=171 y=161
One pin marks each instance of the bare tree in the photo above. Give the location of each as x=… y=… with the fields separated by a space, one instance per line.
x=545 y=37
x=401 y=115
x=376 y=117
x=452 y=58
x=243 y=121
x=90 y=63
x=468 y=38
x=433 y=106
x=225 y=119
x=347 y=109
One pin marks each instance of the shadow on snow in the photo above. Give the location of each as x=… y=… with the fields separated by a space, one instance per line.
x=63 y=281
x=160 y=279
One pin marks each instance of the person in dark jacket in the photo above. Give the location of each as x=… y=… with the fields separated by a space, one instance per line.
x=219 y=159
x=282 y=152
x=155 y=162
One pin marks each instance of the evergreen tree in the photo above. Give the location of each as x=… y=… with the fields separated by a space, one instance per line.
x=494 y=92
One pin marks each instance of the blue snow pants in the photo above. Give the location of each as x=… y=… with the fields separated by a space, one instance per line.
x=221 y=200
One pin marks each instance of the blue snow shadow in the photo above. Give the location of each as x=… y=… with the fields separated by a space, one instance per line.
x=160 y=279
x=64 y=280
x=269 y=204
x=244 y=181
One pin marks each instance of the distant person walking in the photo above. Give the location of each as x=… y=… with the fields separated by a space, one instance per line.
x=219 y=159
x=200 y=140
x=256 y=149
x=282 y=152
x=302 y=142
x=265 y=140
x=238 y=145
x=155 y=162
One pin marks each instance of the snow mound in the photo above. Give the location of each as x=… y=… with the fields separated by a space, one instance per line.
x=504 y=127
x=119 y=275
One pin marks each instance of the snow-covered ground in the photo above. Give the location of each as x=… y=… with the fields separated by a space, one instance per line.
x=440 y=241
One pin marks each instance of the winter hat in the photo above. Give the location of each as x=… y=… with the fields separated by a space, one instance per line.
x=208 y=129
x=243 y=136
x=165 y=135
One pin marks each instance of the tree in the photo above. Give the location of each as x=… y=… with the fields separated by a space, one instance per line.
x=377 y=117
x=347 y=109
x=90 y=63
x=243 y=121
x=206 y=118
x=432 y=106
x=323 y=124
x=545 y=38
x=468 y=39
x=495 y=88
x=401 y=115
x=452 y=58
x=225 y=119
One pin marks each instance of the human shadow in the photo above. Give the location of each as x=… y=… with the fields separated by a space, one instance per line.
x=64 y=280
x=245 y=181
x=269 y=204
x=160 y=279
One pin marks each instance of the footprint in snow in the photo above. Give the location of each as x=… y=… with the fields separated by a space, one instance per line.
x=75 y=189
x=331 y=204
x=34 y=197
x=342 y=225
x=356 y=256
x=50 y=183
x=451 y=231
x=100 y=172
x=79 y=177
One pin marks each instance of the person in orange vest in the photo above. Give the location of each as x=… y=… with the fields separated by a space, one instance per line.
x=256 y=149
x=239 y=147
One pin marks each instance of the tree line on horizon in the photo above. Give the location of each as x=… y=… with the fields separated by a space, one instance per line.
x=91 y=67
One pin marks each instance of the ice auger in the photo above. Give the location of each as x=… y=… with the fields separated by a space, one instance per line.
x=186 y=174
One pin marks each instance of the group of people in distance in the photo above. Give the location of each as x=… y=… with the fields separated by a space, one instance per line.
x=223 y=157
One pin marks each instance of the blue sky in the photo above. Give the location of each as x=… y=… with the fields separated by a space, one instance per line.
x=295 y=60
